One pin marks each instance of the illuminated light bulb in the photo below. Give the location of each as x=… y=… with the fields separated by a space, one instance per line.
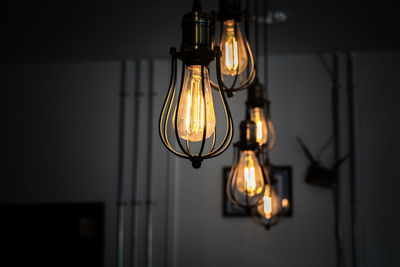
x=285 y=203
x=191 y=118
x=270 y=205
x=247 y=179
x=257 y=115
x=234 y=56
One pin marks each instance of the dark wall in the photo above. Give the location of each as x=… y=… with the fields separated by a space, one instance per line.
x=61 y=145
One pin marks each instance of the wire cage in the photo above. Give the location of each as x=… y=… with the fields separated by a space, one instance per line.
x=192 y=122
x=237 y=56
x=269 y=211
x=260 y=113
x=247 y=178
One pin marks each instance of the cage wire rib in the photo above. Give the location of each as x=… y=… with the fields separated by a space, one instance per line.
x=185 y=149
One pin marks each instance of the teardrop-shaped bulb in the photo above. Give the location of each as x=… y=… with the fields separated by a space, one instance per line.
x=234 y=55
x=246 y=182
x=270 y=205
x=257 y=115
x=191 y=117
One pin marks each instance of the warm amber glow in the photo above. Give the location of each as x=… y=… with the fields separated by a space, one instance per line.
x=234 y=56
x=267 y=207
x=270 y=205
x=257 y=115
x=191 y=117
x=249 y=176
x=285 y=203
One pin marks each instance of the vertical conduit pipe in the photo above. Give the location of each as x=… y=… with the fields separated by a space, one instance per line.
x=265 y=25
x=121 y=204
x=135 y=181
x=149 y=203
x=336 y=154
x=353 y=174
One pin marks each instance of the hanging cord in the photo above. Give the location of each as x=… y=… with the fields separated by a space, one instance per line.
x=256 y=35
x=352 y=154
x=336 y=153
x=266 y=50
x=246 y=28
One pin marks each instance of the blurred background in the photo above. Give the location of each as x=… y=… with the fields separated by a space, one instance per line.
x=86 y=180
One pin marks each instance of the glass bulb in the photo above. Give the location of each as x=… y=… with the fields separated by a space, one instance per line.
x=247 y=179
x=234 y=56
x=270 y=205
x=285 y=203
x=257 y=115
x=191 y=117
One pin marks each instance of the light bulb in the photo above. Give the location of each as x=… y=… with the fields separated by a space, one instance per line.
x=234 y=55
x=285 y=203
x=191 y=118
x=257 y=115
x=247 y=179
x=270 y=205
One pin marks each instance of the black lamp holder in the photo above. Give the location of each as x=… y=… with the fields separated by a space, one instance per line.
x=196 y=47
x=247 y=136
x=255 y=96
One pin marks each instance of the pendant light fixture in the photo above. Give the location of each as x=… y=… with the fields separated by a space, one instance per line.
x=258 y=108
x=237 y=56
x=246 y=182
x=269 y=211
x=258 y=102
x=192 y=121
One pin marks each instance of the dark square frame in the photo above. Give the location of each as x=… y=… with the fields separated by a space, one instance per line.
x=283 y=187
x=230 y=209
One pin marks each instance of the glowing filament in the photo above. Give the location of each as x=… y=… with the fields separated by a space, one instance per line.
x=257 y=115
x=285 y=203
x=267 y=207
x=191 y=113
x=250 y=179
x=249 y=176
x=234 y=53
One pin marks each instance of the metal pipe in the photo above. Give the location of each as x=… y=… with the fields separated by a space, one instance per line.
x=352 y=155
x=265 y=25
x=336 y=155
x=121 y=168
x=246 y=27
x=149 y=203
x=256 y=33
x=135 y=180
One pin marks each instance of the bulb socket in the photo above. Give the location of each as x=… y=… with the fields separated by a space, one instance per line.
x=230 y=9
x=196 y=28
x=247 y=135
x=255 y=96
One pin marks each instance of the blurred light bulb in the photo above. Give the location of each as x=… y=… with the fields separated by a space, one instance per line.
x=285 y=203
x=257 y=115
x=247 y=178
x=270 y=205
x=234 y=55
x=191 y=117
